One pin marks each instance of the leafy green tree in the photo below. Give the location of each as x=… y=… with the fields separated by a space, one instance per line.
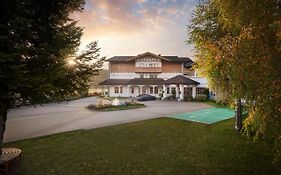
x=238 y=45
x=38 y=60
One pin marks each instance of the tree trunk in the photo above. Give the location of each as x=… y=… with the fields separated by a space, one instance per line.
x=238 y=115
x=3 y=118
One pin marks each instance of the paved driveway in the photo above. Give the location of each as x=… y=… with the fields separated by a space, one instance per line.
x=27 y=122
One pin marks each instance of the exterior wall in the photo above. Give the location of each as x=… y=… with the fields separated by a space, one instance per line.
x=122 y=67
x=169 y=67
x=125 y=67
x=126 y=91
x=123 y=94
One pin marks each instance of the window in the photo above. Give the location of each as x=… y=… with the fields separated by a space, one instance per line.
x=151 y=90
x=132 y=90
x=156 y=90
x=121 y=90
x=116 y=90
x=168 y=90
x=200 y=90
x=173 y=90
x=141 y=75
x=187 y=91
x=152 y=76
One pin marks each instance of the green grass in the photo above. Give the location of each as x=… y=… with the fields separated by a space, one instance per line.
x=117 y=108
x=159 y=146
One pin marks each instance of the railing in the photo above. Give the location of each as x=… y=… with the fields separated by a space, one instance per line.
x=148 y=69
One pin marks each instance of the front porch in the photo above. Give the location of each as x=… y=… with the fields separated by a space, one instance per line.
x=177 y=87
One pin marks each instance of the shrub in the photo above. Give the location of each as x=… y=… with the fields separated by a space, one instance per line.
x=207 y=93
x=200 y=97
x=188 y=98
x=91 y=106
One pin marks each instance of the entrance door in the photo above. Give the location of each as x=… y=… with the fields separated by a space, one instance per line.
x=188 y=91
x=143 y=90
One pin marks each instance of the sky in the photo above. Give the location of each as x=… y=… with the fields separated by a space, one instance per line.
x=132 y=27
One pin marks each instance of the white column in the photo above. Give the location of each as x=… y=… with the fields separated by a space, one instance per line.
x=177 y=91
x=108 y=91
x=102 y=93
x=140 y=89
x=164 y=92
x=129 y=94
x=181 y=92
x=193 y=91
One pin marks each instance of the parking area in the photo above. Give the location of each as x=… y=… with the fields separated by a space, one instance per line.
x=29 y=121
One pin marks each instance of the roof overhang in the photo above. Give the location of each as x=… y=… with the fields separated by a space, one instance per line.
x=180 y=79
x=148 y=54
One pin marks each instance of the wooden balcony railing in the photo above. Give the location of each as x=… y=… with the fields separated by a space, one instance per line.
x=148 y=69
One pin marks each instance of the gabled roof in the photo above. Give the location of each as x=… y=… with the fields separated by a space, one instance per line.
x=115 y=82
x=145 y=81
x=166 y=58
x=180 y=79
x=119 y=58
x=135 y=81
x=148 y=54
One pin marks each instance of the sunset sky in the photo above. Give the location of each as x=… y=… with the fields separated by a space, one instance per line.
x=131 y=27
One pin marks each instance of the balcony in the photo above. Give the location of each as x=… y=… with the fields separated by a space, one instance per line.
x=148 y=69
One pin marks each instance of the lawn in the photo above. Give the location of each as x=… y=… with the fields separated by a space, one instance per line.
x=158 y=146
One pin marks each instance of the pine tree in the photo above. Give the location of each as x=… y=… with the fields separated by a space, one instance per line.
x=38 y=40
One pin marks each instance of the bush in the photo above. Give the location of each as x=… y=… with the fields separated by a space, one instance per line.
x=207 y=93
x=200 y=97
x=91 y=106
x=188 y=98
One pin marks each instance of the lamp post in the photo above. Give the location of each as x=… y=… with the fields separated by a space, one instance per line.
x=238 y=114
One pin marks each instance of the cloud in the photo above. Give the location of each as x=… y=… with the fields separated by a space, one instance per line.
x=135 y=21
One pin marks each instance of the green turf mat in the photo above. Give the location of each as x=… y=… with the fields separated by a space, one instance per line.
x=207 y=116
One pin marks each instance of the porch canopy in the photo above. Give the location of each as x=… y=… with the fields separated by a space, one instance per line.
x=145 y=81
x=180 y=81
x=115 y=82
x=135 y=81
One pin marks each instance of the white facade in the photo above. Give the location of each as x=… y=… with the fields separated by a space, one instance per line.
x=133 y=91
x=151 y=64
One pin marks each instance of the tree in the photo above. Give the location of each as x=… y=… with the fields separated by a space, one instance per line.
x=38 y=41
x=238 y=45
